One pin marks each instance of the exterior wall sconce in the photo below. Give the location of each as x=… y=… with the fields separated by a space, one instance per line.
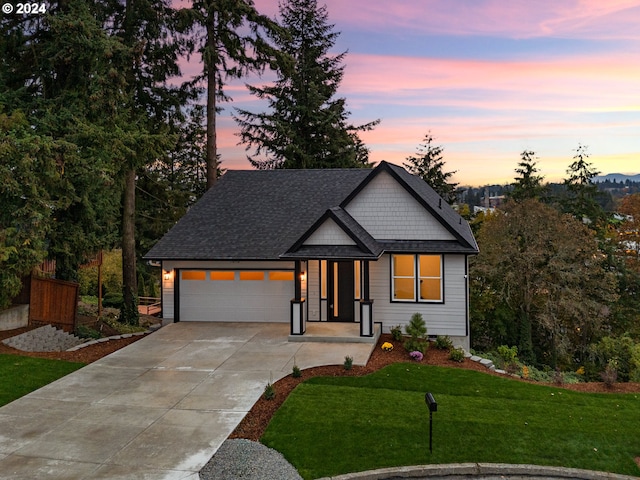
x=167 y=275
x=303 y=276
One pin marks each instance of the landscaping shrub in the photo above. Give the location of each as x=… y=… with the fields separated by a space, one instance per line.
x=417 y=330
x=348 y=362
x=269 y=392
x=444 y=342
x=296 y=373
x=619 y=349
x=396 y=333
x=112 y=300
x=83 y=331
x=456 y=354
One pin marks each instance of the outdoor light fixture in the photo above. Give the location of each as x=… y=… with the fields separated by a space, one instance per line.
x=167 y=275
x=303 y=276
x=433 y=407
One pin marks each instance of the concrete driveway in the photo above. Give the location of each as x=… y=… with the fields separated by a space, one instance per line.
x=157 y=409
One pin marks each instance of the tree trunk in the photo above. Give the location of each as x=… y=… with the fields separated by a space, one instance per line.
x=129 y=278
x=212 y=153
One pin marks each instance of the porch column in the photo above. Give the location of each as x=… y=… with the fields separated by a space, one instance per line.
x=366 y=304
x=298 y=321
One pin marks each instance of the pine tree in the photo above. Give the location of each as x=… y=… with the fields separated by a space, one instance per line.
x=582 y=193
x=528 y=185
x=227 y=34
x=428 y=165
x=307 y=126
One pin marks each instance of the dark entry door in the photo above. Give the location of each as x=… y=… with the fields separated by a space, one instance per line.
x=341 y=292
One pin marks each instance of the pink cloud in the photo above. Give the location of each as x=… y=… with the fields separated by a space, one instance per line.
x=513 y=19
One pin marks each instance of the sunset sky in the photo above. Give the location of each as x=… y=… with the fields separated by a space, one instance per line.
x=488 y=79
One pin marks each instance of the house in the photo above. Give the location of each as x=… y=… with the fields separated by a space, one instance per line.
x=334 y=245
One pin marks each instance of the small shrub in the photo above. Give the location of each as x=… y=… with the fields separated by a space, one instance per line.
x=296 y=372
x=269 y=392
x=387 y=347
x=557 y=377
x=416 y=345
x=417 y=330
x=508 y=354
x=444 y=342
x=87 y=332
x=456 y=354
x=416 y=355
x=348 y=362
x=610 y=374
x=525 y=372
x=112 y=300
x=396 y=333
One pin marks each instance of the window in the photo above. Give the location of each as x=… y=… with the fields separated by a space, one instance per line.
x=249 y=275
x=356 y=277
x=281 y=276
x=404 y=277
x=222 y=275
x=323 y=279
x=193 y=275
x=430 y=278
x=416 y=278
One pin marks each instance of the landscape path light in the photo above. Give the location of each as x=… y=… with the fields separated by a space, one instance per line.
x=433 y=407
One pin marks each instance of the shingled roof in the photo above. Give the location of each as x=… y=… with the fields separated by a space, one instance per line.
x=262 y=214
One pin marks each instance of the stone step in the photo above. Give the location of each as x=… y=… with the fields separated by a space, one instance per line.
x=44 y=339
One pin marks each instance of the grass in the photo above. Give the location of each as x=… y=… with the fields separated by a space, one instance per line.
x=20 y=375
x=336 y=425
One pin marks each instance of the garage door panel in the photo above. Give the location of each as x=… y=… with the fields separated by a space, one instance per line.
x=235 y=300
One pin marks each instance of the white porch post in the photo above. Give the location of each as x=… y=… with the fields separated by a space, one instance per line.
x=366 y=304
x=298 y=320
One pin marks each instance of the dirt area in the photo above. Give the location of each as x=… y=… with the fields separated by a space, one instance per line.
x=256 y=421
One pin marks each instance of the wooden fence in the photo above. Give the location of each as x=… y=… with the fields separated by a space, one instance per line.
x=53 y=302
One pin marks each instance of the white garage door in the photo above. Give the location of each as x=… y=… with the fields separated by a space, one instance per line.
x=236 y=295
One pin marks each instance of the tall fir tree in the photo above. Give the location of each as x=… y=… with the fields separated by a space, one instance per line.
x=428 y=164
x=527 y=185
x=58 y=73
x=307 y=126
x=228 y=34
x=581 y=198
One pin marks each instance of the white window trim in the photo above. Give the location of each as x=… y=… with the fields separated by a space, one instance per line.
x=416 y=279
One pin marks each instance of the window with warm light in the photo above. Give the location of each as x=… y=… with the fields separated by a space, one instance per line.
x=250 y=275
x=220 y=275
x=430 y=270
x=323 y=279
x=403 y=277
x=416 y=278
x=193 y=275
x=281 y=276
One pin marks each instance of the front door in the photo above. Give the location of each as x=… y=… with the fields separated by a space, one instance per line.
x=341 y=295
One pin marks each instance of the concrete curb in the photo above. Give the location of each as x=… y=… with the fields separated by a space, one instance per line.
x=480 y=471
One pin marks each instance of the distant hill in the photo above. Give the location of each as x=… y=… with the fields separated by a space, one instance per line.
x=617 y=177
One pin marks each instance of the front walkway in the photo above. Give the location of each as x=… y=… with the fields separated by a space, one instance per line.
x=157 y=409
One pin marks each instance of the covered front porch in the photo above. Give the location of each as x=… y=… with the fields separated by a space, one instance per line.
x=333 y=332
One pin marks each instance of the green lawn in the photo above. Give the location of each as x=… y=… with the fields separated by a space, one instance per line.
x=20 y=375
x=336 y=425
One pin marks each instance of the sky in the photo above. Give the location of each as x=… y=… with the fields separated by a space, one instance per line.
x=487 y=79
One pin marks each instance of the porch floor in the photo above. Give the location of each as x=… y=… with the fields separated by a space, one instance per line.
x=336 y=332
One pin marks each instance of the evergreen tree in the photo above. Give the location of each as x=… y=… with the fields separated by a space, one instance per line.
x=307 y=126
x=58 y=73
x=227 y=34
x=582 y=194
x=428 y=165
x=528 y=185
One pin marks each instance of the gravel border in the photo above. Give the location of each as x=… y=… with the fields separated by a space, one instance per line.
x=240 y=459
